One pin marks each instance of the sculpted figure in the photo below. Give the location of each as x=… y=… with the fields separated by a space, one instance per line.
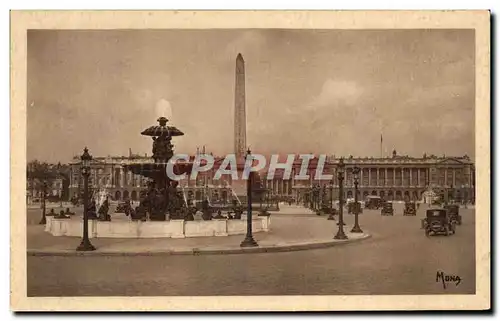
x=237 y=210
x=103 y=211
x=205 y=208
x=92 y=211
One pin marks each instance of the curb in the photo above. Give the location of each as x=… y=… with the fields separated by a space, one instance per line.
x=207 y=251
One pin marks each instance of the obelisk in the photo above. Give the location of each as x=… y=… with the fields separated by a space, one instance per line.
x=240 y=128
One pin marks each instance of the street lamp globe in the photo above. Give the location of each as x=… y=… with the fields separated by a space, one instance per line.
x=355 y=172
x=341 y=166
x=86 y=158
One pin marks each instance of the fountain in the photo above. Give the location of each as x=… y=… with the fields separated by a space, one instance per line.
x=161 y=197
x=164 y=210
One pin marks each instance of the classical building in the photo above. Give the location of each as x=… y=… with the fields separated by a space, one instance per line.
x=111 y=174
x=34 y=189
x=393 y=178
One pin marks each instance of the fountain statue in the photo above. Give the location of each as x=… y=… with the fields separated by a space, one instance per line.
x=161 y=198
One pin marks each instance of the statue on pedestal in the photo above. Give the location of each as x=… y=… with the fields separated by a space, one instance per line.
x=237 y=209
x=207 y=212
x=61 y=215
x=139 y=214
x=103 y=211
x=92 y=211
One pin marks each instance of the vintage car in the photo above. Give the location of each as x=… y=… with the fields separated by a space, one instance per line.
x=410 y=209
x=123 y=207
x=351 y=207
x=453 y=212
x=373 y=202
x=438 y=221
x=387 y=209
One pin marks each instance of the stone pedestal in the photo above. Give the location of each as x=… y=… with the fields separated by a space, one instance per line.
x=177 y=229
x=220 y=228
x=152 y=229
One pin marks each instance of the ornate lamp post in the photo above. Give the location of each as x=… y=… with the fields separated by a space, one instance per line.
x=85 y=245
x=340 y=175
x=44 y=208
x=464 y=194
x=249 y=241
x=61 y=187
x=311 y=198
x=356 y=228
x=317 y=194
x=331 y=217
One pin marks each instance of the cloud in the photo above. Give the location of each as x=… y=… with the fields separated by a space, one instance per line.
x=337 y=93
x=249 y=43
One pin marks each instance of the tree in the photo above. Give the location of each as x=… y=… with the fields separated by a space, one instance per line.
x=37 y=172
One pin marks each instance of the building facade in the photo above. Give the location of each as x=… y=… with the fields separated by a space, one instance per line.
x=34 y=189
x=111 y=174
x=393 y=178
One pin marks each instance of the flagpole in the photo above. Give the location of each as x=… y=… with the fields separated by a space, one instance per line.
x=381 y=140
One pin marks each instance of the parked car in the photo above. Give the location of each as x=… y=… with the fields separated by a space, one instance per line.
x=410 y=209
x=351 y=206
x=438 y=221
x=373 y=202
x=454 y=213
x=387 y=209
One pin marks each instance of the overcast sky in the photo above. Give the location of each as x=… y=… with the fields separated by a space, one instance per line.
x=331 y=91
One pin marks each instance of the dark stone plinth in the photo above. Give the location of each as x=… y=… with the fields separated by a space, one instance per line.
x=157 y=217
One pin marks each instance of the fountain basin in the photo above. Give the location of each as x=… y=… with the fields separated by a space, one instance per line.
x=155 y=229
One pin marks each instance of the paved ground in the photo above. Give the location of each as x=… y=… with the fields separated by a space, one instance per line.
x=398 y=259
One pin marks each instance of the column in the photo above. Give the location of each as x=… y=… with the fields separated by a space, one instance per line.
x=361 y=178
x=378 y=176
x=122 y=178
x=411 y=177
x=446 y=177
x=369 y=177
x=418 y=177
x=454 y=177
x=386 y=180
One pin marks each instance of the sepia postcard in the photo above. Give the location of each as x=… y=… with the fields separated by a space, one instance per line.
x=250 y=160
